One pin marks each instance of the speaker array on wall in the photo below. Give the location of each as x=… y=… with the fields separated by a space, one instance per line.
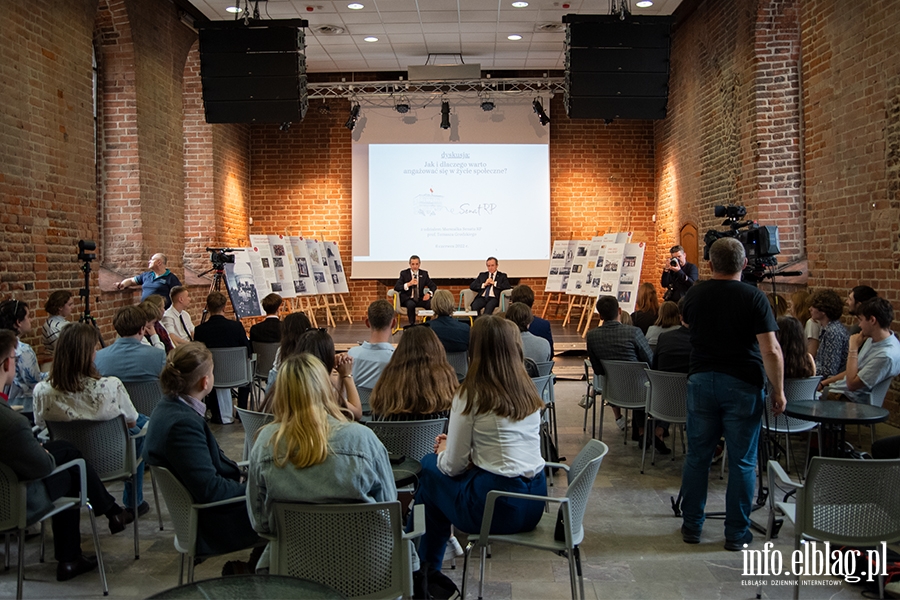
x=255 y=73
x=617 y=68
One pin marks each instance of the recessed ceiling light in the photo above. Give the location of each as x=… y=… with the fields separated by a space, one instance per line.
x=233 y=9
x=514 y=37
x=519 y=4
x=644 y=4
x=371 y=38
x=355 y=6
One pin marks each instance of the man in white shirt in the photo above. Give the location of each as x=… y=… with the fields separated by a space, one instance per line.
x=874 y=353
x=370 y=358
x=176 y=319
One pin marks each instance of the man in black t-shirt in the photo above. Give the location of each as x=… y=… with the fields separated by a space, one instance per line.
x=733 y=350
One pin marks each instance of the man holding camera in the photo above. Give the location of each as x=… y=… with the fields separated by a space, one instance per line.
x=678 y=275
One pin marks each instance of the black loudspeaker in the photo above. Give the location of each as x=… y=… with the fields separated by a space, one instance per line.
x=255 y=73
x=617 y=68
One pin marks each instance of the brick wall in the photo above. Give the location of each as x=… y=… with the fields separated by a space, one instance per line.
x=601 y=179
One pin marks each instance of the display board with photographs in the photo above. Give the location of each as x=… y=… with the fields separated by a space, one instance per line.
x=576 y=281
x=560 y=265
x=284 y=265
x=261 y=245
x=336 y=266
x=630 y=275
x=304 y=283
x=243 y=279
x=319 y=265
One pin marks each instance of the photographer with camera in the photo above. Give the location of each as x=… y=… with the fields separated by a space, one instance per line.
x=158 y=280
x=678 y=275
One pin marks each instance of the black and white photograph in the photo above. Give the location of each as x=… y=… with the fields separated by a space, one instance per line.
x=554 y=270
x=276 y=287
x=611 y=266
x=302 y=267
x=627 y=278
x=265 y=262
x=242 y=292
x=624 y=297
x=278 y=250
x=582 y=251
x=338 y=267
x=335 y=279
x=559 y=255
x=278 y=262
x=299 y=286
x=320 y=276
x=577 y=268
x=606 y=286
x=629 y=261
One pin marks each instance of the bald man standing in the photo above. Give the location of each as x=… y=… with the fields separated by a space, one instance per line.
x=158 y=280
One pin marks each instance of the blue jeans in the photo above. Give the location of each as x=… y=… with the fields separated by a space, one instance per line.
x=139 y=475
x=460 y=501
x=720 y=404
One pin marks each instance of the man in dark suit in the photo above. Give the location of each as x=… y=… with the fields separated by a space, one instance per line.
x=488 y=286
x=268 y=331
x=219 y=332
x=415 y=288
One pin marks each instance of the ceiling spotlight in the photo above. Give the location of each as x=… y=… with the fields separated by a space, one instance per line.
x=487 y=106
x=354 y=117
x=324 y=109
x=644 y=4
x=233 y=9
x=519 y=4
x=514 y=37
x=445 y=115
x=402 y=108
x=355 y=6
x=539 y=111
x=370 y=38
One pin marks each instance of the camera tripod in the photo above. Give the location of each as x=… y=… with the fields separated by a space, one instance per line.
x=218 y=270
x=85 y=292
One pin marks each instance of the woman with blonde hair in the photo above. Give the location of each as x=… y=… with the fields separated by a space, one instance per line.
x=669 y=319
x=646 y=309
x=418 y=382
x=311 y=453
x=492 y=443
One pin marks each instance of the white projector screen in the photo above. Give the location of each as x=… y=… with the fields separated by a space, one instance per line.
x=452 y=196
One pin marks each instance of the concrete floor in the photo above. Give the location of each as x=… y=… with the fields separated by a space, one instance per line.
x=632 y=546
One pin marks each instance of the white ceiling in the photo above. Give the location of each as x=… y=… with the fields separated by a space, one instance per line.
x=409 y=30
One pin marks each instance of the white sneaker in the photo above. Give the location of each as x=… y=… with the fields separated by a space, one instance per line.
x=620 y=423
x=454 y=547
x=586 y=402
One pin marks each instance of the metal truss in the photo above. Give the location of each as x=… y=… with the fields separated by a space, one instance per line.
x=379 y=90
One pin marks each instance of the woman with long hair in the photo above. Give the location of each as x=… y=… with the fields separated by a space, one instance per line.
x=311 y=453
x=76 y=392
x=492 y=443
x=418 y=382
x=320 y=344
x=15 y=316
x=59 y=307
x=800 y=304
x=646 y=309
x=798 y=363
x=179 y=439
x=292 y=328
x=669 y=319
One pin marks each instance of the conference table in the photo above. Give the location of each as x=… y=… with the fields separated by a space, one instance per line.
x=241 y=587
x=834 y=416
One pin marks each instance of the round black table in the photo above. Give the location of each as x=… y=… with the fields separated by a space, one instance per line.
x=406 y=471
x=836 y=414
x=241 y=587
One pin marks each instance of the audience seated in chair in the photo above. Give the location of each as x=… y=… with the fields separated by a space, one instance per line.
x=59 y=307
x=76 y=392
x=826 y=309
x=534 y=347
x=539 y=327
x=668 y=319
x=370 y=358
x=21 y=452
x=157 y=336
x=493 y=443
x=15 y=317
x=220 y=332
x=176 y=320
x=311 y=453
x=127 y=358
x=418 y=383
x=292 y=329
x=179 y=439
x=452 y=333
x=319 y=343
x=646 y=309
x=268 y=331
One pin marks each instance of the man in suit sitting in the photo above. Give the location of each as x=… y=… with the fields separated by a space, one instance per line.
x=488 y=286
x=219 y=332
x=415 y=288
x=268 y=331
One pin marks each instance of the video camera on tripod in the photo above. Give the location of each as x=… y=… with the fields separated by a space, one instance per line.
x=221 y=256
x=760 y=242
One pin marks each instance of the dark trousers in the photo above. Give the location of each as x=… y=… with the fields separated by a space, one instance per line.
x=412 y=304
x=66 y=532
x=888 y=447
x=488 y=304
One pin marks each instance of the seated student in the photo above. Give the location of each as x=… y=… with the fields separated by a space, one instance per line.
x=77 y=392
x=539 y=327
x=673 y=350
x=292 y=329
x=799 y=308
x=668 y=319
x=646 y=310
x=452 y=333
x=535 y=348
x=311 y=453
x=493 y=443
x=176 y=320
x=179 y=439
x=320 y=344
x=370 y=358
x=418 y=383
x=858 y=295
x=268 y=331
x=59 y=307
x=798 y=363
x=21 y=452
x=127 y=358
x=15 y=317
x=157 y=336
x=873 y=354
x=826 y=309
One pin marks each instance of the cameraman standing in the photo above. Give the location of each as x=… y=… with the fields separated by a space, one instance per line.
x=678 y=275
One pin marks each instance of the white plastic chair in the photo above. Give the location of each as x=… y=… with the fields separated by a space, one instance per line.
x=794 y=390
x=252 y=421
x=666 y=401
x=594 y=384
x=184 y=513
x=145 y=395
x=359 y=550
x=844 y=501
x=581 y=478
x=232 y=368
x=13 y=516
x=623 y=386
x=109 y=449
x=265 y=357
